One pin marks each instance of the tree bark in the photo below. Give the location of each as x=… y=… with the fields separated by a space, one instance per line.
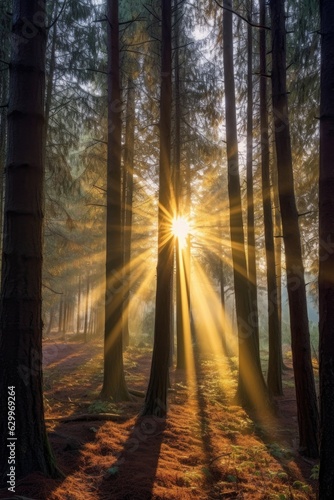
x=128 y=180
x=278 y=250
x=251 y=390
x=179 y=252
x=251 y=251
x=79 y=306
x=300 y=339
x=156 y=397
x=4 y=56
x=86 y=331
x=274 y=378
x=21 y=295
x=326 y=257
x=114 y=385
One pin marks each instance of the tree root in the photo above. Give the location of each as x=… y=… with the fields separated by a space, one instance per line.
x=89 y=417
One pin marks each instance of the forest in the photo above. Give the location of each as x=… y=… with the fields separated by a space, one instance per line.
x=167 y=249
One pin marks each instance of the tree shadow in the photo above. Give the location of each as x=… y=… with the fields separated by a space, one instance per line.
x=132 y=475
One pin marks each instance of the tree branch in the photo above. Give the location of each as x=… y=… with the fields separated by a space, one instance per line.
x=242 y=17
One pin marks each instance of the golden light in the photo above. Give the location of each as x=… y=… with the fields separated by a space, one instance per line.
x=180 y=229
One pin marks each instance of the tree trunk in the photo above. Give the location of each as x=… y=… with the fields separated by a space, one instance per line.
x=326 y=258
x=128 y=198
x=21 y=295
x=251 y=253
x=86 y=309
x=156 y=397
x=50 y=323
x=251 y=391
x=60 y=316
x=179 y=252
x=278 y=251
x=4 y=56
x=275 y=362
x=114 y=385
x=300 y=339
x=79 y=306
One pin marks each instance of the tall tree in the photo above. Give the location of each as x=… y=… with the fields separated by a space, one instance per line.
x=300 y=339
x=128 y=165
x=156 y=397
x=275 y=362
x=179 y=251
x=21 y=294
x=114 y=385
x=326 y=261
x=251 y=253
x=251 y=386
x=4 y=65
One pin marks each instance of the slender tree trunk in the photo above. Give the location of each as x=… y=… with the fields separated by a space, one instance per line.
x=300 y=339
x=275 y=361
x=50 y=323
x=251 y=391
x=21 y=294
x=114 y=385
x=63 y=326
x=128 y=178
x=86 y=309
x=60 y=316
x=326 y=257
x=251 y=252
x=278 y=251
x=79 y=306
x=156 y=397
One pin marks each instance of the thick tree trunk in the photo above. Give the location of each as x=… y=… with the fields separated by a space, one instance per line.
x=114 y=385
x=300 y=338
x=275 y=363
x=4 y=56
x=251 y=252
x=251 y=391
x=179 y=252
x=128 y=199
x=21 y=295
x=326 y=258
x=156 y=397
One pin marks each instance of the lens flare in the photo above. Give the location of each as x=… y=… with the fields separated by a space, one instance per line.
x=181 y=229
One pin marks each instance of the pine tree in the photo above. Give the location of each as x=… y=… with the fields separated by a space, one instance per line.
x=114 y=385
x=301 y=349
x=21 y=295
x=326 y=257
x=156 y=397
x=251 y=391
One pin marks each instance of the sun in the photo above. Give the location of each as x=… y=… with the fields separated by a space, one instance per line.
x=180 y=229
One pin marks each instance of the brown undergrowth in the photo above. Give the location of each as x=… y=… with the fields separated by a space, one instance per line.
x=208 y=448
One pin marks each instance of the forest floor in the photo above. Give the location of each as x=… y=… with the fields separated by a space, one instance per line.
x=208 y=448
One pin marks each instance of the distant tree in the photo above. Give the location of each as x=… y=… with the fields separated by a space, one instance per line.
x=251 y=251
x=128 y=172
x=275 y=361
x=21 y=294
x=156 y=397
x=326 y=257
x=252 y=391
x=301 y=349
x=114 y=385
